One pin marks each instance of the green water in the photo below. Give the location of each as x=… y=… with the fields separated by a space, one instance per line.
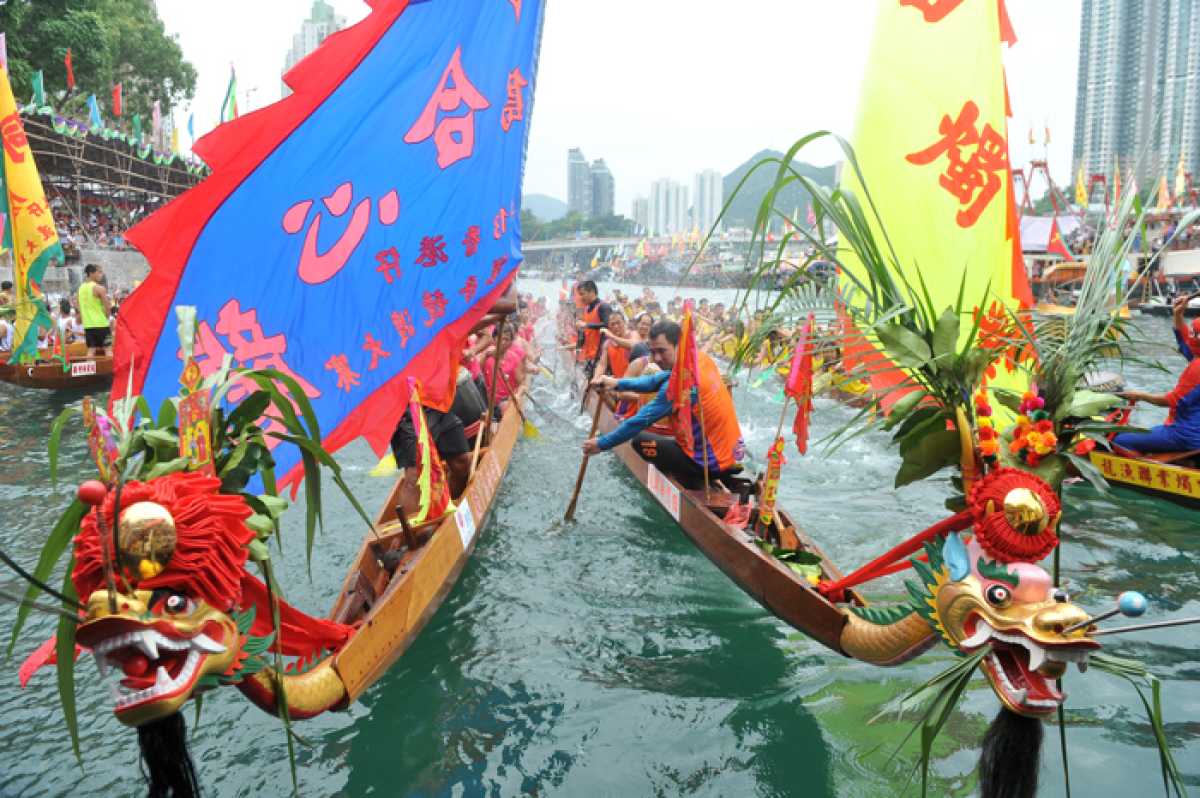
x=609 y=657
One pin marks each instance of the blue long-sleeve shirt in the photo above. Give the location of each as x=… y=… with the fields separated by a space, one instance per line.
x=660 y=407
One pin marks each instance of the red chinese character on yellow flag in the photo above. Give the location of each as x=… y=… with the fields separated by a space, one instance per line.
x=972 y=177
x=514 y=108
x=933 y=10
x=16 y=144
x=454 y=136
x=346 y=378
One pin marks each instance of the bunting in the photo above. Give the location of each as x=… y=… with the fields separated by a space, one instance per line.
x=70 y=71
x=342 y=258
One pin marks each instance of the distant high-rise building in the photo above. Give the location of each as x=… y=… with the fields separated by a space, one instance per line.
x=579 y=183
x=667 y=210
x=322 y=22
x=603 y=190
x=1138 y=96
x=641 y=214
x=708 y=195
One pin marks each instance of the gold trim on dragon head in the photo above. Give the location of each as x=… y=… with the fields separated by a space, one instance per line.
x=164 y=643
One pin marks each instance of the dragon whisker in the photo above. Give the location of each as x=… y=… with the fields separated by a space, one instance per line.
x=38 y=583
x=33 y=605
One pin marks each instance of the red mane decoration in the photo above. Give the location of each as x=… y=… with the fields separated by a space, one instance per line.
x=995 y=534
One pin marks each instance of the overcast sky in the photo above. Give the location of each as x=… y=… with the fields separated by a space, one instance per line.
x=666 y=88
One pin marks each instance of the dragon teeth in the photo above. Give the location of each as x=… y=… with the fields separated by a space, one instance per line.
x=981 y=636
x=206 y=644
x=101 y=663
x=1037 y=655
x=147 y=642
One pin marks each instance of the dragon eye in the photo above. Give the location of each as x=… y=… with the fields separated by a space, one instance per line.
x=178 y=604
x=999 y=595
x=1060 y=595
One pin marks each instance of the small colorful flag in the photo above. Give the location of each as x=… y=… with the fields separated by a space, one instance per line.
x=766 y=505
x=3 y=52
x=94 y=118
x=1116 y=193
x=1164 y=194
x=1056 y=245
x=431 y=479
x=39 y=89
x=229 y=108
x=684 y=377
x=811 y=218
x=1180 y=179
x=1081 y=193
x=192 y=127
x=174 y=139
x=799 y=384
x=70 y=71
x=137 y=128
x=116 y=100
x=156 y=124
x=1047 y=140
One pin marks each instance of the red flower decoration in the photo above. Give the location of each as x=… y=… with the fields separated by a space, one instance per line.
x=1011 y=526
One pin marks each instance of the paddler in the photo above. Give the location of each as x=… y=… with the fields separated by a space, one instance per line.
x=453 y=421
x=717 y=441
x=593 y=317
x=1181 y=432
x=95 y=309
x=615 y=348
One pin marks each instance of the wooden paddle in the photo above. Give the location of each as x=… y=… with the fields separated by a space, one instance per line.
x=570 y=514
x=530 y=430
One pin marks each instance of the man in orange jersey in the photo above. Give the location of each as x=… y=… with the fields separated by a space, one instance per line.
x=716 y=443
x=593 y=317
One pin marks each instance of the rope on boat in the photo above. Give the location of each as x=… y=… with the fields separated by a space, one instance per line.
x=888 y=562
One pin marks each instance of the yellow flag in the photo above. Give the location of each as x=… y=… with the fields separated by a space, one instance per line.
x=1116 y=186
x=175 y=140
x=1180 y=179
x=29 y=231
x=1081 y=194
x=932 y=142
x=1164 y=194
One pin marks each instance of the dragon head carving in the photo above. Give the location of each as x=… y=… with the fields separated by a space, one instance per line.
x=184 y=615
x=973 y=602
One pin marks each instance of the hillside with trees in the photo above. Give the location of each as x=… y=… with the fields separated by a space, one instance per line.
x=745 y=206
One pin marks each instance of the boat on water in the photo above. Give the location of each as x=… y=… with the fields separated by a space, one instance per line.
x=74 y=372
x=1174 y=476
x=781 y=590
x=402 y=575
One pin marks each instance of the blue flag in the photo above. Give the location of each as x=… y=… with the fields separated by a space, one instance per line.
x=94 y=118
x=351 y=234
x=192 y=127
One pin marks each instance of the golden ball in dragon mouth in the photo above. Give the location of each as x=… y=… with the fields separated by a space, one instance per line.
x=1024 y=511
x=146 y=535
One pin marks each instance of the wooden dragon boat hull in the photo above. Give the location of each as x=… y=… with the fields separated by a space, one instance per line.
x=81 y=373
x=394 y=605
x=780 y=590
x=1174 y=477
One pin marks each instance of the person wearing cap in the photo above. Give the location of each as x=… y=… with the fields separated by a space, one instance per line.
x=1181 y=432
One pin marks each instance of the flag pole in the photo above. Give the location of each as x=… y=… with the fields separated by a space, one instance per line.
x=703 y=434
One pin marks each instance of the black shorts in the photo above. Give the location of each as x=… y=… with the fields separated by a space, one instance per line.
x=96 y=337
x=446 y=429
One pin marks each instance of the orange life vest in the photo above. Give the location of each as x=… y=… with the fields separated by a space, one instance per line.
x=591 y=338
x=722 y=432
x=618 y=359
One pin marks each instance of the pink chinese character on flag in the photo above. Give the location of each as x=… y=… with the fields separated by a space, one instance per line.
x=514 y=108
x=435 y=305
x=402 y=321
x=469 y=288
x=317 y=267
x=375 y=347
x=497 y=267
x=254 y=349
x=500 y=223
x=454 y=136
x=975 y=179
x=346 y=378
x=516 y=4
x=433 y=252
x=471 y=241
x=389 y=263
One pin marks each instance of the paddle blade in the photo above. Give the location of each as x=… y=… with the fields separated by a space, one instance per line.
x=386 y=467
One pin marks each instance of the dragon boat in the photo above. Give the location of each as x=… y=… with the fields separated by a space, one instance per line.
x=75 y=371
x=1174 y=476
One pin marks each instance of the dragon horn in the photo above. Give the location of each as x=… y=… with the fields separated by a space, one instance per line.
x=970 y=466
